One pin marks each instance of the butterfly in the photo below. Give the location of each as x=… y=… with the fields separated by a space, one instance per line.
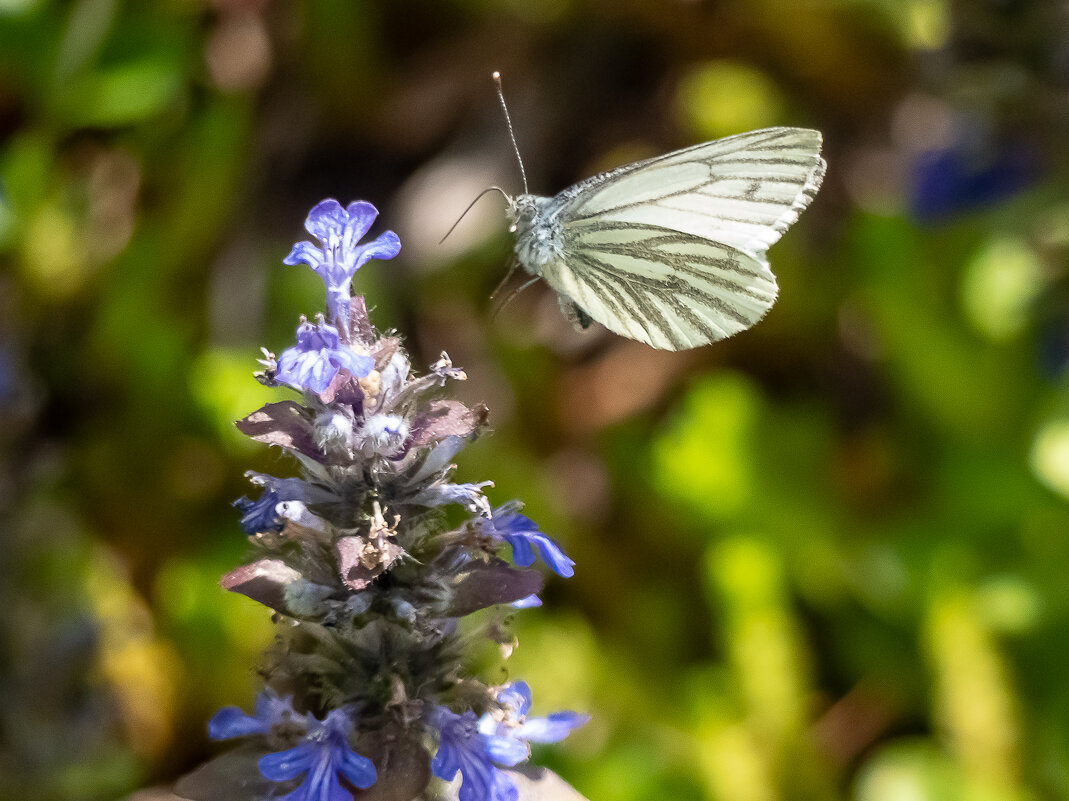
x=671 y=251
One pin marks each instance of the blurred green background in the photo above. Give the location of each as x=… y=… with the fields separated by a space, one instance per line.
x=826 y=559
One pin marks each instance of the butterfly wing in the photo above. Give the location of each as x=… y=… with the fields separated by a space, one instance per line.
x=668 y=289
x=743 y=191
x=671 y=251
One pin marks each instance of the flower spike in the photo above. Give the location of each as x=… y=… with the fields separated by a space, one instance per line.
x=369 y=558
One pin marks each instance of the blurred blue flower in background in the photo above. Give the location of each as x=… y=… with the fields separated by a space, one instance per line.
x=977 y=169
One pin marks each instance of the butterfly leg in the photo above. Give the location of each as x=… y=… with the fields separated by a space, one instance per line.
x=575 y=315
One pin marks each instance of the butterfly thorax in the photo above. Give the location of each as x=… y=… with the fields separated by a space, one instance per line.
x=537 y=224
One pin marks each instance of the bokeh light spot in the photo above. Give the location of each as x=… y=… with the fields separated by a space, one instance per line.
x=999 y=285
x=51 y=258
x=720 y=98
x=927 y=24
x=1009 y=604
x=704 y=456
x=1050 y=455
x=911 y=770
x=220 y=380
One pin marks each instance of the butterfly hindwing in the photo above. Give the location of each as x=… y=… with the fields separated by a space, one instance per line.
x=666 y=288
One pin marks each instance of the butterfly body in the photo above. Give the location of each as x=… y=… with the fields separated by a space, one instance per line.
x=671 y=251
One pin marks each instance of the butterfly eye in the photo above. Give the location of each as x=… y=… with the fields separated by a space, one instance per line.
x=512 y=228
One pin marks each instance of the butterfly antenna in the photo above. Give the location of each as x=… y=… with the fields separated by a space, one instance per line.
x=471 y=205
x=512 y=134
x=512 y=295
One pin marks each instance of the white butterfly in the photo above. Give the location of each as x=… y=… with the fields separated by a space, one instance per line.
x=671 y=251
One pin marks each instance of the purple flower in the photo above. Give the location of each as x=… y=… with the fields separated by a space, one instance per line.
x=521 y=533
x=263 y=513
x=470 y=496
x=462 y=748
x=322 y=755
x=260 y=515
x=317 y=358
x=339 y=231
x=232 y=722
x=508 y=730
x=473 y=745
x=970 y=175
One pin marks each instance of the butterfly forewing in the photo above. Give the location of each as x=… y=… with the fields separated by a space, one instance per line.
x=743 y=191
x=668 y=289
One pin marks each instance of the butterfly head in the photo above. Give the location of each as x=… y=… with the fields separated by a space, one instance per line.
x=537 y=229
x=522 y=211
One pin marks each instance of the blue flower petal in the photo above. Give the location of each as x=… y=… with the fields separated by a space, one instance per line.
x=385 y=246
x=523 y=554
x=259 y=515
x=552 y=728
x=503 y=788
x=263 y=514
x=507 y=731
x=461 y=748
x=554 y=557
x=357 y=769
x=446 y=763
x=321 y=783
x=311 y=370
x=523 y=535
x=360 y=215
x=356 y=363
x=289 y=764
x=551 y=553
x=476 y=782
x=271 y=708
x=517 y=697
x=500 y=734
x=507 y=750
x=305 y=252
x=232 y=722
x=326 y=217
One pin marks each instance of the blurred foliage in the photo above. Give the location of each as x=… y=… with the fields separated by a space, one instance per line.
x=825 y=559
